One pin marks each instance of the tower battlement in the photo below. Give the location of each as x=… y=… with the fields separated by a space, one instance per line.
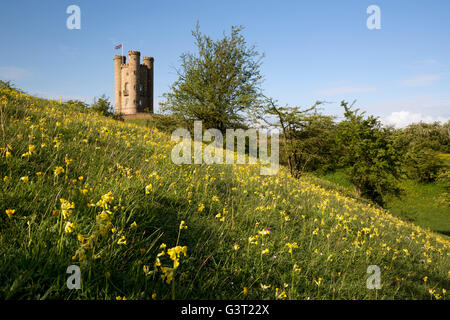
x=133 y=92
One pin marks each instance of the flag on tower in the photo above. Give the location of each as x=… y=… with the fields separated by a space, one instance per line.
x=118 y=47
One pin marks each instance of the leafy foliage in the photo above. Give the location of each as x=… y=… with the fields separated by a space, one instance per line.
x=219 y=84
x=307 y=136
x=367 y=152
x=421 y=144
x=78 y=103
x=102 y=105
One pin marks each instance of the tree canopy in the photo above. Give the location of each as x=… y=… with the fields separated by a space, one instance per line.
x=219 y=83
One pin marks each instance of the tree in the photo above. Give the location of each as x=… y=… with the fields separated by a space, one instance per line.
x=78 y=103
x=218 y=84
x=307 y=137
x=102 y=105
x=368 y=154
x=421 y=145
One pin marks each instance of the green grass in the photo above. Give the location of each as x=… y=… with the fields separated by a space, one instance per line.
x=129 y=200
x=424 y=204
x=421 y=203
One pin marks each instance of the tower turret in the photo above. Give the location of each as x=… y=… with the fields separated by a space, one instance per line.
x=134 y=58
x=118 y=61
x=148 y=62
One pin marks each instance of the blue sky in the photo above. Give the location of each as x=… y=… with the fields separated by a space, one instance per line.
x=314 y=50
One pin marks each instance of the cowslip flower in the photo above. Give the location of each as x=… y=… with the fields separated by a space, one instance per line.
x=264 y=287
x=10 y=212
x=66 y=208
x=280 y=294
x=318 y=281
x=122 y=240
x=183 y=225
x=57 y=171
x=265 y=232
x=291 y=246
x=69 y=227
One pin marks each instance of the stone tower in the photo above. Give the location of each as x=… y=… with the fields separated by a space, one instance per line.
x=133 y=84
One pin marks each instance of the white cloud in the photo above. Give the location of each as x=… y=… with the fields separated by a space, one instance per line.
x=13 y=73
x=401 y=119
x=345 y=90
x=421 y=81
x=428 y=104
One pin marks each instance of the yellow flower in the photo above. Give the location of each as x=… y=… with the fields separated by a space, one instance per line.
x=318 y=281
x=201 y=207
x=280 y=295
x=245 y=291
x=81 y=238
x=265 y=251
x=425 y=279
x=67 y=161
x=69 y=227
x=236 y=247
x=154 y=296
x=183 y=225
x=122 y=240
x=66 y=207
x=57 y=171
x=24 y=179
x=10 y=212
x=252 y=239
x=148 y=188
x=291 y=246
x=264 y=287
x=134 y=224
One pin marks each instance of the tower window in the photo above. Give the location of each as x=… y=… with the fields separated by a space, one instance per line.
x=126 y=101
x=126 y=86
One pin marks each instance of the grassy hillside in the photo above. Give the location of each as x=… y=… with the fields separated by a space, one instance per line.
x=78 y=188
x=425 y=204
